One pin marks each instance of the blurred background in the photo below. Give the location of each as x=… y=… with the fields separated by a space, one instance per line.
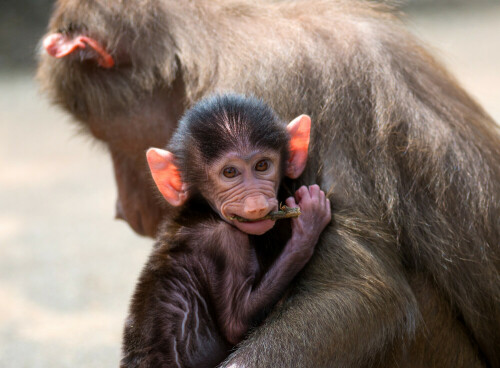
x=67 y=268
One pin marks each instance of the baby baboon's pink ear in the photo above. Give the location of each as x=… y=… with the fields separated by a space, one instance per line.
x=166 y=176
x=300 y=131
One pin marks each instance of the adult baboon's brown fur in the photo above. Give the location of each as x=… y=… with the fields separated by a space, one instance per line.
x=408 y=272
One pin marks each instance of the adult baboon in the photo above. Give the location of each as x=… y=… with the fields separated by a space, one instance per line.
x=408 y=272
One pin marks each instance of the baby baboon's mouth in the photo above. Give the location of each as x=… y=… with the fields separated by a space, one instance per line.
x=284 y=212
x=244 y=219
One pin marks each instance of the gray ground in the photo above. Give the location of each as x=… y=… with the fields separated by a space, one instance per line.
x=67 y=269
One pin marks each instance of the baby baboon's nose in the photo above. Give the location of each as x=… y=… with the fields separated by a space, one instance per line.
x=256 y=207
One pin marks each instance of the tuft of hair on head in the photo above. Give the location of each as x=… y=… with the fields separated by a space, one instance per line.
x=223 y=123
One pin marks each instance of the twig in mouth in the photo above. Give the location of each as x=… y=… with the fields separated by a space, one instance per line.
x=284 y=212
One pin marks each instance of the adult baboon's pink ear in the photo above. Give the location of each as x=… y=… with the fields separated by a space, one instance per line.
x=300 y=132
x=59 y=45
x=166 y=176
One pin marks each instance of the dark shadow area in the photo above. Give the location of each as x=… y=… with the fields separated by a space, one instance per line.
x=22 y=23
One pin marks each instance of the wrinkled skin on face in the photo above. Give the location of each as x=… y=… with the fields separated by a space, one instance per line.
x=245 y=184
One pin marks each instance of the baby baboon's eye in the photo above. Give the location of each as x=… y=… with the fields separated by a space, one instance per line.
x=262 y=165
x=230 y=172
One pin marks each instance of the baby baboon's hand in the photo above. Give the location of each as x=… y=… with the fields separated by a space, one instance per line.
x=316 y=214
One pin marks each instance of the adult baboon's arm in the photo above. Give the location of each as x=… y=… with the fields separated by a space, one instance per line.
x=350 y=303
